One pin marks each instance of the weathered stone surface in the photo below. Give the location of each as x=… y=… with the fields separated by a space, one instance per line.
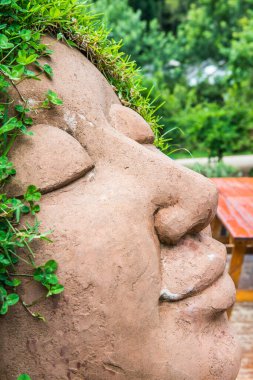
x=206 y=261
x=131 y=124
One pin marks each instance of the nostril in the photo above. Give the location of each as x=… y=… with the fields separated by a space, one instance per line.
x=173 y=223
x=195 y=208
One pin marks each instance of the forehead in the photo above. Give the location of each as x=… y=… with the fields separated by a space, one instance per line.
x=87 y=95
x=83 y=89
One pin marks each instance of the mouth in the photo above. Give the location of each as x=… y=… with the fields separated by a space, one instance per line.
x=193 y=275
x=216 y=299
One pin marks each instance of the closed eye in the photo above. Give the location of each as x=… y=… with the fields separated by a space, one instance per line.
x=50 y=159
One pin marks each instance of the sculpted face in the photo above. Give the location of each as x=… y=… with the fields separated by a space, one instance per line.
x=146 y=291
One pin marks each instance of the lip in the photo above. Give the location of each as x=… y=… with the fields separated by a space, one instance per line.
x=215 y=299
x=193 y=281
x=191 y=266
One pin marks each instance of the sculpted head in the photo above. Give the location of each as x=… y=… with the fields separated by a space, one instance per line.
x=146 y=291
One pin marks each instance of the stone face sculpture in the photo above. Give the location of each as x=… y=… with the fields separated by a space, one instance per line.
x=146 y=291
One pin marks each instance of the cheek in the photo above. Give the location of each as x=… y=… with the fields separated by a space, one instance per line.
x=110 y=256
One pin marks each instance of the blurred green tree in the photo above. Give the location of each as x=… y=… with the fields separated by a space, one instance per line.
x=199 y=56
x=209 y=92
x=150 y=49
x=150 y=9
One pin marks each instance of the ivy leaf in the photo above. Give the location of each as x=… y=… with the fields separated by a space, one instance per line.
x=2 y=109
x=15 y=282
x=32 y=194
x=56 y=289
x=24 y=60
x=12 y=299
x=11 y=124
x=48 y=70
x=6 y=169
x=5 y=70
x=31 y=74
x=28 y=121
x=4 y=308
x=25 y=209
x=51 y=279
x=24 y=376
x=4 y=42
x=14 y=74
x=24 y=130
x=39 y=275
x=35 y=209
x=51 y=97
x=17 y=72
x=4 y=261
x=51 y=266
x=21 y=109
x=48 y=52
x=26 y=34
x=3 y=83
x=3 y=293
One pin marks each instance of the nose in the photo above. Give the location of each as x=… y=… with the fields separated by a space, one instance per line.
x=186 y=201
x=183 y=201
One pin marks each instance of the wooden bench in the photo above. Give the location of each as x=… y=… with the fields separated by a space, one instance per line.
x=233 y=225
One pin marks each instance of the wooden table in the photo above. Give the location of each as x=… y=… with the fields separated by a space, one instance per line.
x=235 y=216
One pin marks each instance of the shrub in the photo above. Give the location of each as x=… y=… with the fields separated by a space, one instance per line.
x=216 y=170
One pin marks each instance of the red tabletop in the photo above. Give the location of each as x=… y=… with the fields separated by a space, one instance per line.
x=235 y=209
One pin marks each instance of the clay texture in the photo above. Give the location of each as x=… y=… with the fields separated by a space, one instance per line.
x=146 y=291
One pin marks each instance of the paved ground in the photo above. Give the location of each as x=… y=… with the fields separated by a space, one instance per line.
x=242 y=322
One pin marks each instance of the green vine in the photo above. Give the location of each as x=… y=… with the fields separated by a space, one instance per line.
x=19 y=47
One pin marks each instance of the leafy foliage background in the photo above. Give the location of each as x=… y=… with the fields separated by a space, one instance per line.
x=198 y=54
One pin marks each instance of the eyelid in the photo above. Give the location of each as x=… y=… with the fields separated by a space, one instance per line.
x=50 y=159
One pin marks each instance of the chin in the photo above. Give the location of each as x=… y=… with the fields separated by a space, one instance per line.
x=200 y=349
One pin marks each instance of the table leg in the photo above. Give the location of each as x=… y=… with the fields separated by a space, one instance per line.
x=216 y=228
x=244 y=295
x=235 y=268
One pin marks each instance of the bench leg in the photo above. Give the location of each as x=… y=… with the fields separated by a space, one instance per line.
x=238 y=252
